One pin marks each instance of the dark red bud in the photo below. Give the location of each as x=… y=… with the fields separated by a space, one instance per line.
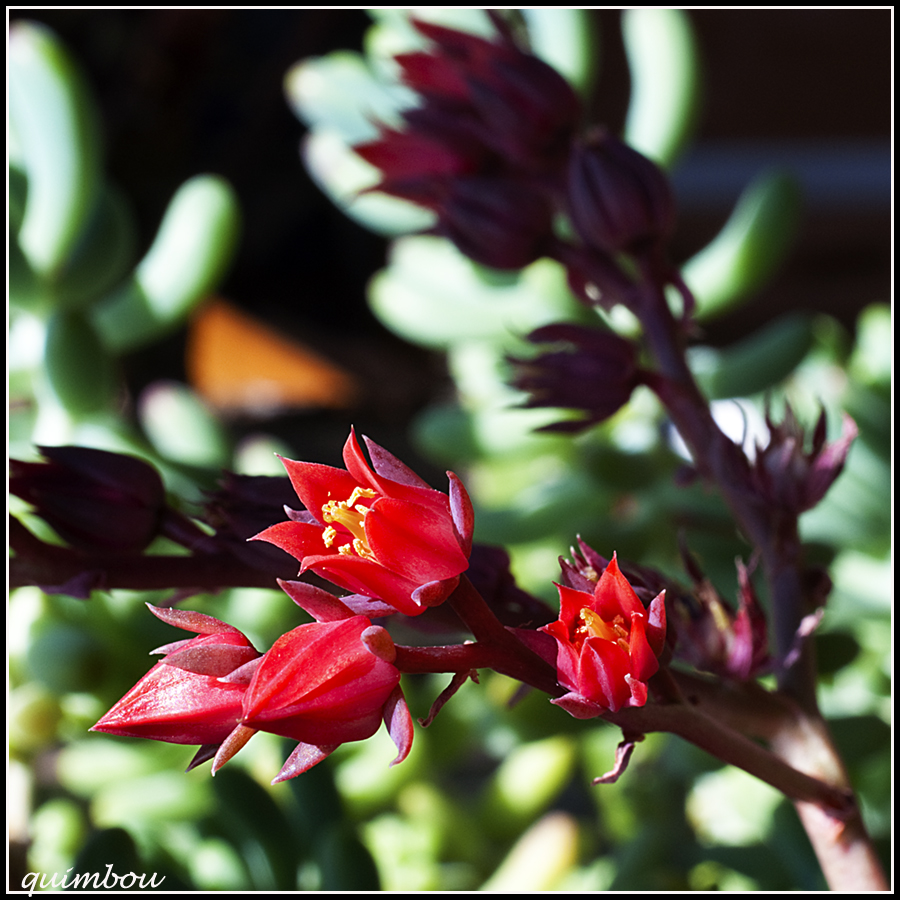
x=618 y=199
x=97 y=501
x=595 y=371
x=496 y=222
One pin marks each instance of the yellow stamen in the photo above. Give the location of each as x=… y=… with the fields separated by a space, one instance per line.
x=592 y=625
x=350 y=515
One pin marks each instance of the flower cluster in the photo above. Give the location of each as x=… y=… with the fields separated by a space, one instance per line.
x=378 y=529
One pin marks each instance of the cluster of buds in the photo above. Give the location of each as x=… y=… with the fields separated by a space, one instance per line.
x=790 y=477
x=492 y=148
x=485 y=147
x=713 y=637
x=95 y=500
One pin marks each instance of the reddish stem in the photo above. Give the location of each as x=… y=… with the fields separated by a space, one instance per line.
x=51 y=566
x=509 y=655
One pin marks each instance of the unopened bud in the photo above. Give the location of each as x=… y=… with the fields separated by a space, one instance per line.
x=618 y=199
x=496 y=222
x=95 y=500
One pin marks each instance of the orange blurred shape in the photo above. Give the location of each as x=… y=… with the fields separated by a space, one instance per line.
x=241 y=366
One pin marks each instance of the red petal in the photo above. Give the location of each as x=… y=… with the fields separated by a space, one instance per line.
x=643 y=660
x=321 y=685
x=316 y=484
x=299 y=539
x=388 y=466
x=399 y=723
x=462 y=512
x=304 y=757
x=173 y=705
x=571 y=603
x=321 y=605
x=614 y=596
x=638 y=691
x=413 y=540
x=191 y=621
x=656 y=623
x=403 y=489
x=301 y=662
x=365 y=577
x=603 y=667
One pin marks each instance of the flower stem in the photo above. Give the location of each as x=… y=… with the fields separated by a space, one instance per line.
x=509 y=655
x=53 y=567
x=800 y=738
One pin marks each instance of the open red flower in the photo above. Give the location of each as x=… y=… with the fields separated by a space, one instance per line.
x=608 y=645
x=378 y=530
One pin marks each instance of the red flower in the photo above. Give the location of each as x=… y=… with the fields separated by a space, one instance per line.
x=378 y=530
x=184 y=699
x=607 y=645
x=325 y=684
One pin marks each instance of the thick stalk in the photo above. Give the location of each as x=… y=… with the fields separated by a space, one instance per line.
x=845 y=852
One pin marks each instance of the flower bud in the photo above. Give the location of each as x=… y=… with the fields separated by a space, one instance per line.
x=322 y=684
x=496 y=222
x=792 y=478
x=618 y=199
x=97 y=501
x=596 y=373
x=186 y=698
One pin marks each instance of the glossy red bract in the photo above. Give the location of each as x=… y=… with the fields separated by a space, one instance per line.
x=180 y=706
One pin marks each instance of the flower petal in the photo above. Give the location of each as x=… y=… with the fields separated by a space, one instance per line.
x=304 y=757
x=399 y=724
x=614 y=596
x=316 y=484
x=413 y=540
x=300 y=539
x=388 y=466
x=366 y=577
